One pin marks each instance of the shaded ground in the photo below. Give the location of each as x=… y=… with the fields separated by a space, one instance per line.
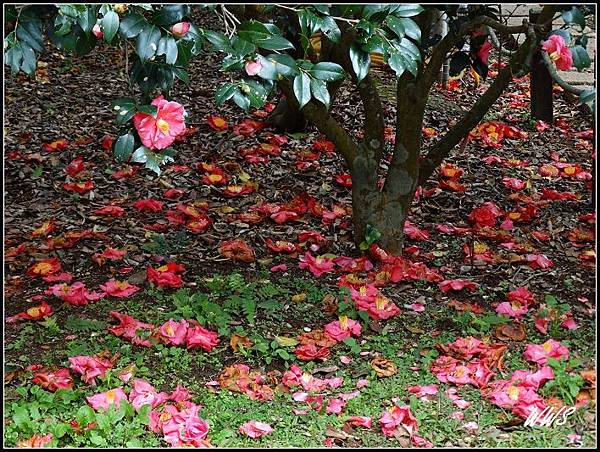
x=72 y=103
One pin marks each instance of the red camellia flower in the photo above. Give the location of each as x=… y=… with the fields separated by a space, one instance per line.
x=180 y=29
x=316 y=265
x=513 y=183
x=45 y=267
x=79 y=187
x=451 y=171
x=281 y=246
x=248 y=127
x=58 y=145
x=148 y=205
x=310 y=352
x=233 y=191
x=90 y=367
x=485 y=215
x=113 y=211
x=558 y=52
x=75 y=167
x=457 y=284
x=174 y=193
x=217 y=123
x=166 y=276
x=127 y=172
x=237 y=250
x=119 y=289
x=398 y=416
x=128 y=328
x=197 y=336
x=324 y=146
x=345 y=180
x=199 y=224
x=159 y=131
x=540 y=261
x=75 y=294
x=34 y=313
x=53 y=380
x=45 y=229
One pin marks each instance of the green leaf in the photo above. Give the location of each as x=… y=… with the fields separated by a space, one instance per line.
x=327 y=71
x=242 y=101
x=147 y=42
x=169 y=14
x=29 y=30
x=110 y=25
x=140 y=155
x=218 y=40
x=257 y=94
x=302 y=89
x=131 y=25
x=124 y=147
x=29 y=64
x=253 y=31
x=372 y=234
x=396 y=24
x=330 y=29
x=360 y=62
x=224 y=93
x=320 y=92
x=574 y=16
x=581 y=59
x=281 y=64
x=181 y=74
x=407 y=10
x=411 y=29
x=168 y=47
x=588 y=97
x=564 y=33
x=371 y=10
x=184 y=52
x=87 y=19
x=275 y=43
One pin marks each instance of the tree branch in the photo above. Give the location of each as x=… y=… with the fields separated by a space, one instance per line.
x=322 y=119
x=558 y=79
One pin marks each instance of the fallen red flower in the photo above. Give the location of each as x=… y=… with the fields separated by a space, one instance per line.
x=75 y=167
x=79 y=187
x=57 y=145
x=237 y=250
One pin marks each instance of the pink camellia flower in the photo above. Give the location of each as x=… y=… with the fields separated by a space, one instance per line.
x=317 y=265
x=366 y=294
x=180 y=394
x=398 y=416
x=255 y=429
x=485 y=215
x=457 y=284
x=417 y=307
x=106 y=399
x=532 y=380
x=424 y=392
x=513 y=183
x=160 y=130
x=359 y=421
x=53 y=380
x=75 y=294
x=201 y=337
x=173 y=332
x=419 y=441
x=185 y=428
x=568 y=322
x=148 y=205
x=514 y=309
x=458 y=415
x=558 y=52
x=540 y=261
x=90 y=367
x=97 y=30
x=480 y=373
x=381 y=309
x=540 y=353
x=462 y=404
x=522 y=295
x=119 y=289
x=126 y=374
x=143 y=393
x=253 y=67
x=128 y=328
x=335 y=406
x=180 y=29
x=361 y=383
x=528 y=401
x=343 y=328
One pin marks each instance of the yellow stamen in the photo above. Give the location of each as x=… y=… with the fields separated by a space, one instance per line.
x=513 y=392
x=343 y=323
x=163 y=126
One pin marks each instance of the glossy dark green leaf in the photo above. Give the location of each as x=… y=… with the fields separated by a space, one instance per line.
x=360 y=62
x=170 y=14
x=147 y=42
x=328 y=72
x=131 y=25
x=581 y=59
x=124 y=147
x=168 y=47
x=320 y=92
x=224 y=93
x=218 y=40
x=241 y=100
x=110 y=25
x=302 y=89
x=396 y=24
x=407 y=10
x=275 y=43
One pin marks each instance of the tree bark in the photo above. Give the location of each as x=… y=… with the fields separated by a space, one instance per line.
x=286 y=118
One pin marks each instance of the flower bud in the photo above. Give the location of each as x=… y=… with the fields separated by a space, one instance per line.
x=97 y=30
x=180 y=29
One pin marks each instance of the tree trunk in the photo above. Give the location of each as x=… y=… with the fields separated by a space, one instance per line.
x=286 y=118
x=385 y=211
x=386 y=215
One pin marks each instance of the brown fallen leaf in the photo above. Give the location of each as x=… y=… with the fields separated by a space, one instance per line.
x=237 y=340
x=511 y=332
x=330 y=304
x=384 y=367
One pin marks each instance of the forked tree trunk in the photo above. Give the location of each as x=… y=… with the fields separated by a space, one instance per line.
x=286 y=118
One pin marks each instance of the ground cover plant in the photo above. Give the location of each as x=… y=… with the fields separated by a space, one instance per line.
x=226 y=295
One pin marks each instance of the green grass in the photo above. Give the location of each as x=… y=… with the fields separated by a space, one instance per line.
x=30 y=409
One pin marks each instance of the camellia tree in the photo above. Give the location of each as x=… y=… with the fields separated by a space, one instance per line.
x=304 y=54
